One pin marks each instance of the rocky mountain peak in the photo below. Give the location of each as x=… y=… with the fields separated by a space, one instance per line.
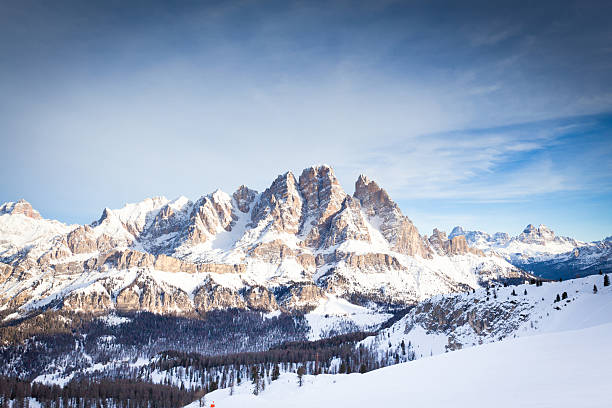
x=20 y=207
x=107 y=213
x=281 y=203
x=372 y=197
x=540 y=235
x=322 y=194
x=244 y=197
x=396 y=228
x=456 y=231
x=211 y=214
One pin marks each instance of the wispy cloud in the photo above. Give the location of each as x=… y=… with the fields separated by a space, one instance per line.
x=492 y=165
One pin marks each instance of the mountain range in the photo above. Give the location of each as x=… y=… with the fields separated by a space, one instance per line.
x=299 y=243
x=539 y=251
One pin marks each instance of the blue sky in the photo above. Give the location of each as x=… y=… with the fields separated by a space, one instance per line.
x=486 y=116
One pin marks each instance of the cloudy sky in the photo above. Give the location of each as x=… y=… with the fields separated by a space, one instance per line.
x=468 y=113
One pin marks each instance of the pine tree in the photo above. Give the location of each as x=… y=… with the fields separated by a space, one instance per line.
x=513 y=292
x=300 y=372
x=255 y=379
x=594 y=288
x=363 y=369
x=558 y=298
x=564 y=296
x=525 y=292
x=606 y=280
x=275 y=372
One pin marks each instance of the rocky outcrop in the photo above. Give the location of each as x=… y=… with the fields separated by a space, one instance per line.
x=126 y=259
x=244 y=197
x=260 y=298
x=272 y=252
x=370 y=262
x=280 y=205
x=211 y=297
x=322 y=199
x=5 y=272
x=299 y=298
x=149 y=296
x=92 y=302
x=347 y=224
x=457 y=245
x=210 y=215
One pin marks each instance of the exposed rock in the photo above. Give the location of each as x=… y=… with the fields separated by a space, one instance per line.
x=244 y=197
x=397 y=229
x=125 y=259
x=260 y=298
x=280 y=205
x=93 y=302
x=455 y=246
x=129 y=298
x=370 y=262
x=5 y=272
x=211 y=297
x=299 y=297
x=210 y=215
x=81 y=240
x=347 y=224
x=70 y=268
x=273 y=251
x=322 y=199
x=20 y=207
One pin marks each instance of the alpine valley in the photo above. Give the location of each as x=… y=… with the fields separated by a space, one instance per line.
x=198 y=294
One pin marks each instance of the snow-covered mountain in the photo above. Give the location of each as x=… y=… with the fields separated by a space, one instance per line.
x=301 y=241
x=540 y=251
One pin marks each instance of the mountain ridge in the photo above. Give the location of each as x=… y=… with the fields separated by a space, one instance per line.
x=287 y=248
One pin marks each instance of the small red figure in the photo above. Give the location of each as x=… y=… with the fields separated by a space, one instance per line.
x=212 y=405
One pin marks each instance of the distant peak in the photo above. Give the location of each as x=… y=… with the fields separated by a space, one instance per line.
x=457 y=231
x=20 y=207
x=363 y=179
x=318 y=171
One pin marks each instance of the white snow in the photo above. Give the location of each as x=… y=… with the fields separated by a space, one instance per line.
x=333 y=312
x=565 y=369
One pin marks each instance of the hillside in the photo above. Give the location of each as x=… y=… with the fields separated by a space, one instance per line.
x=559 y=369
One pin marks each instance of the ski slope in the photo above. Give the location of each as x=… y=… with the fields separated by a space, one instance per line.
x=563 y=369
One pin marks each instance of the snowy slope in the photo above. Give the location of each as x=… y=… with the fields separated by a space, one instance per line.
x=446 y=323
x=561 y=369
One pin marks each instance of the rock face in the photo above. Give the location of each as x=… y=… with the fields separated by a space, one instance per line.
x=281 y=205
x=457 y=245
x=244 y=197
x=211 y=215
x=397 y=229
x=286 y=249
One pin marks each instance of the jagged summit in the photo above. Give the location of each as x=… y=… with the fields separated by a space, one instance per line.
x=20 y=207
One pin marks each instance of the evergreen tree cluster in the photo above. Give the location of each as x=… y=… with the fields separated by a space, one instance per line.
x=117 y=393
